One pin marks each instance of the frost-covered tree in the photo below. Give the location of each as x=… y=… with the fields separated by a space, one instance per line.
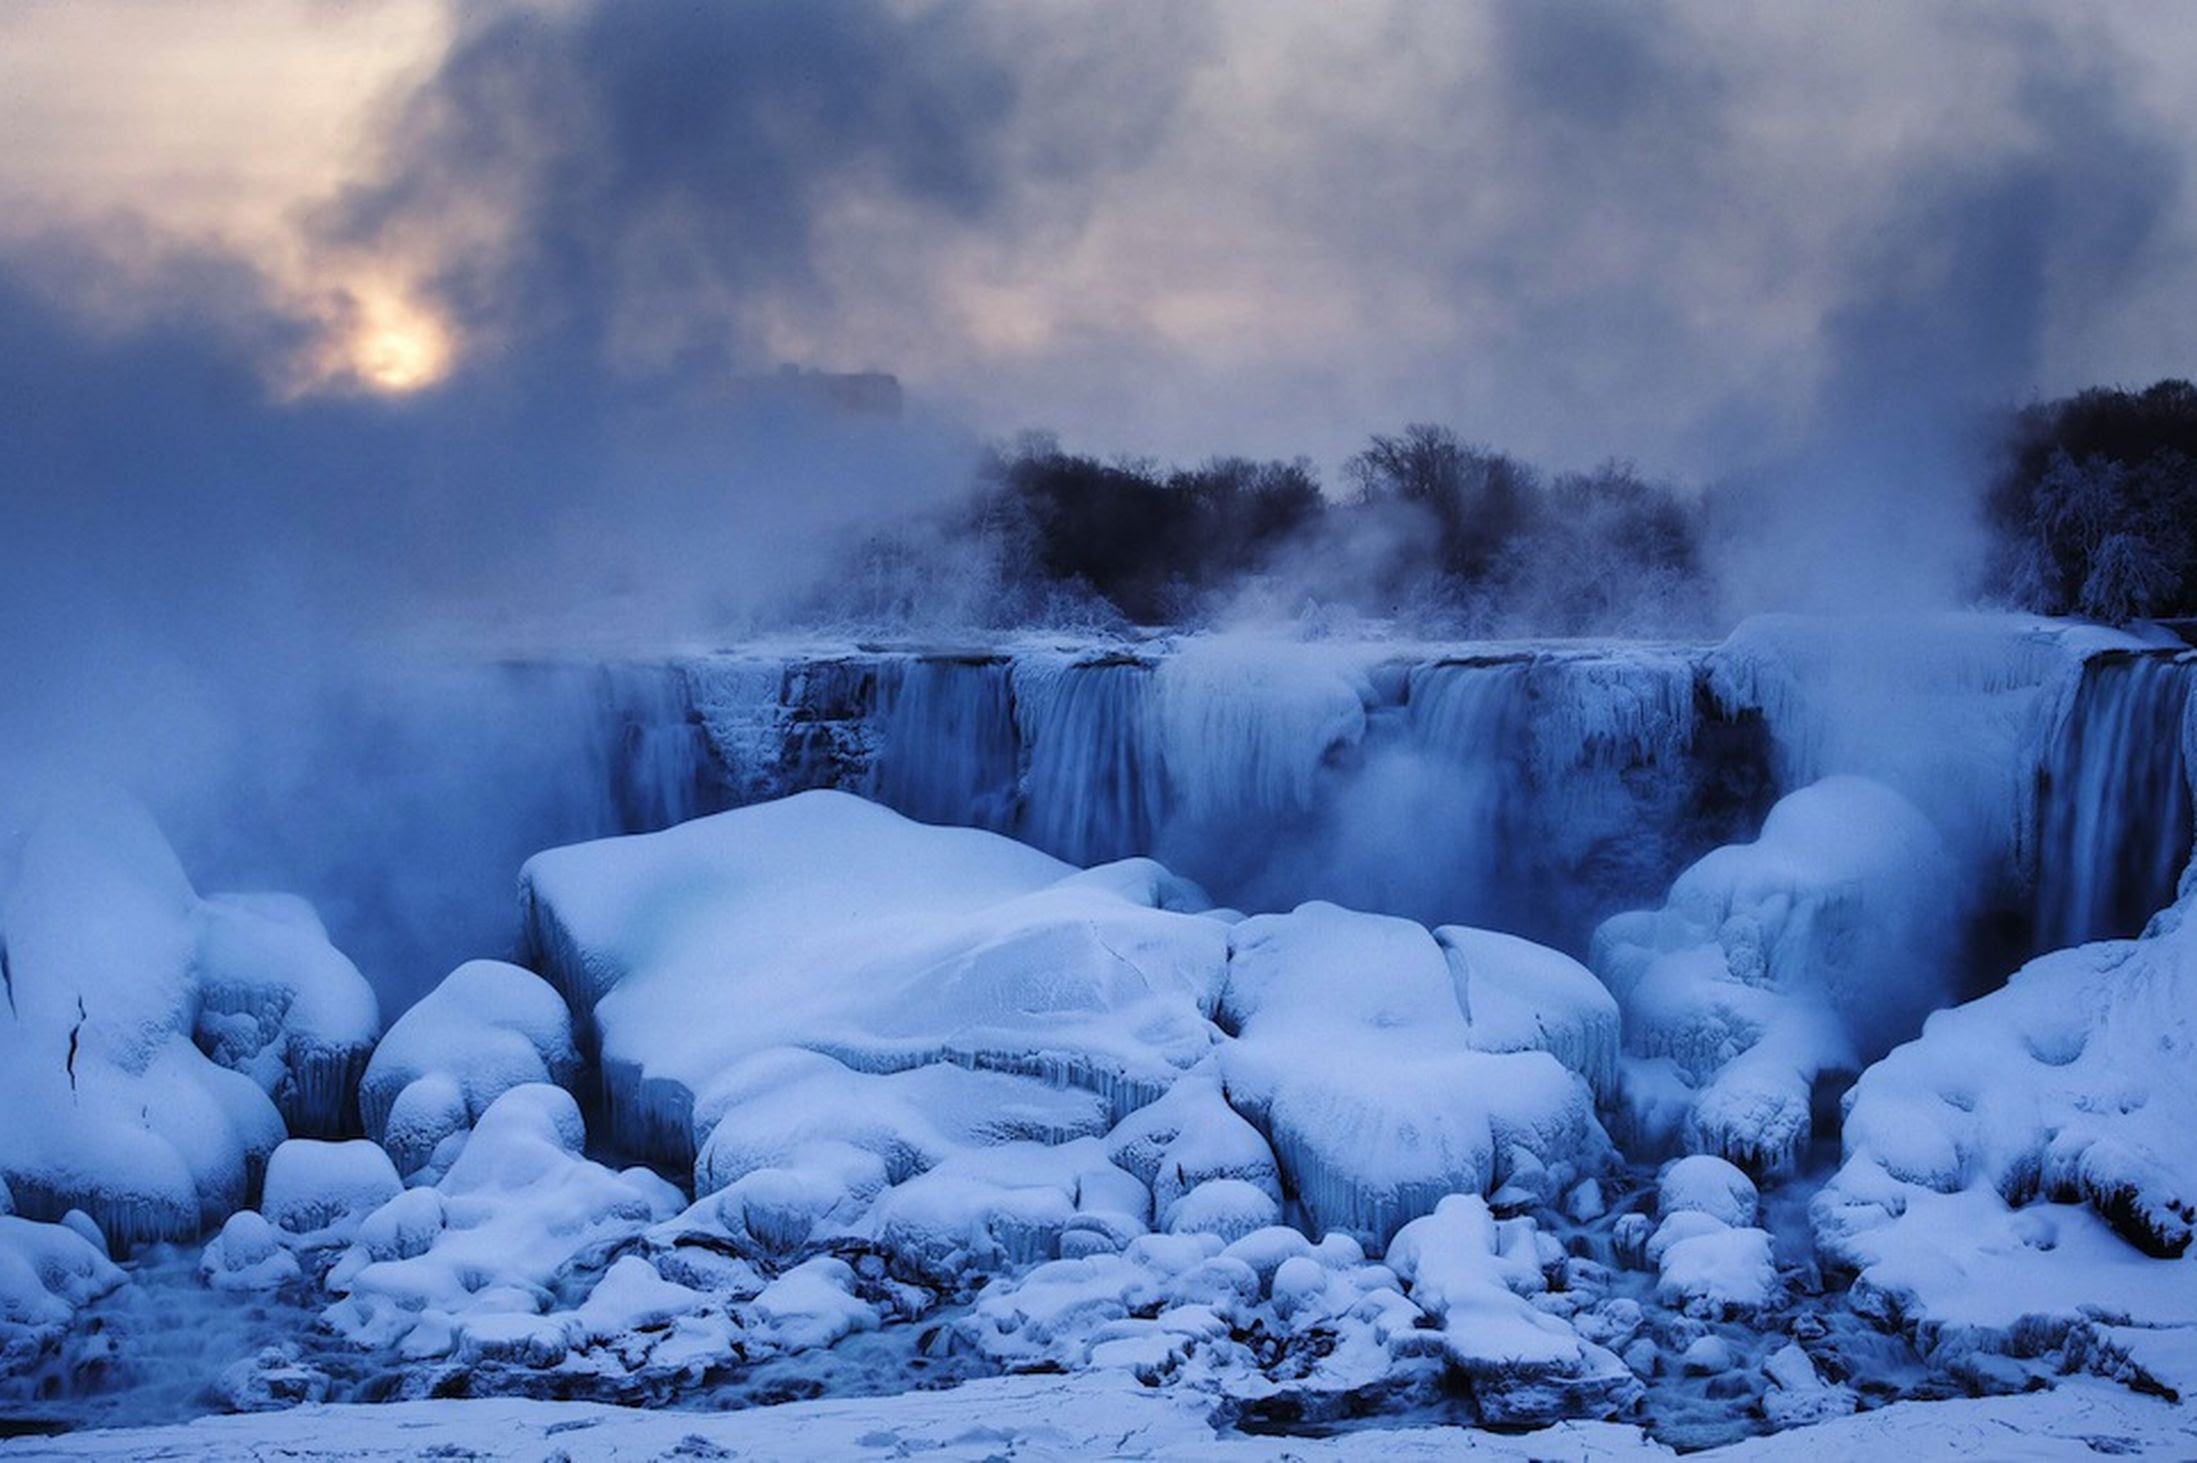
x=2096 y=505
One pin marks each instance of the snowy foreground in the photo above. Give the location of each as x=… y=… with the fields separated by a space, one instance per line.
x=1102 y=1416
x=809 y=1100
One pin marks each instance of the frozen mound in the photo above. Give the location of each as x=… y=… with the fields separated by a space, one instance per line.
x=823 y=926
x=48 y=1272
x=1711 y=1262
x=2028 y=1162
x=1358 y=1054
x=469 y=1266
x=106 y=1104
x=1475 y=1276
x=316 y=1193
x=487 y=1028
x=1803 y=954
x=280 y=1004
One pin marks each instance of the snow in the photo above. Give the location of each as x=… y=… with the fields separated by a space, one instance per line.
x=1809 y=951
x=48 y=1272
x=1102 y=1413
x=1709 y=1186
x=2022 y=1174
x=280 y=1003
x=487 y=1028
x=106 y=1105
x=1356 y=1056
x=518 y=1208
x=827 y=923
x=1473 y=1274
x=317 y=1192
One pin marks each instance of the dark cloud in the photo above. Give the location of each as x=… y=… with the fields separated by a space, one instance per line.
x=649 y=185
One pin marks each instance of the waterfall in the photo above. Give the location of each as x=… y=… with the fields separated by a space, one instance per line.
x=1092 y=782
x=2113 y=808
x=947 y=749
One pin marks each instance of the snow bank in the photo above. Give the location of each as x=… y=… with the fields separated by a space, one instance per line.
x=487 y=1028
x=1807 y=952
x=105 y=1103
x=1357 y=1055
x=2028 y=1161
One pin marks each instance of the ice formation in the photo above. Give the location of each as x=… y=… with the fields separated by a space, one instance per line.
x=2023 y=1174
x=1774 y=963
x=468 y=1265
x=1355 y=1051
x=279 y=1003
x=48 y=1272
x=826 y=927
x=108 y=1105
x=950 y=1104
x=487 y=1028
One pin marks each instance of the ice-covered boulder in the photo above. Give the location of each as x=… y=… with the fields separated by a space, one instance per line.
x=281 y=1004
x=1357 y=1054
x=2030 y=1157
x=317 y=1192
x=822 y=924
x=467 y=1265
x=1807 y=952
x=1475 y=1275
x=248 y=1254
x=48 y=1272
x=106 y=1104
x=487 y=1028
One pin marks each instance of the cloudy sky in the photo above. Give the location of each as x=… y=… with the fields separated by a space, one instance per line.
x=1683 y=234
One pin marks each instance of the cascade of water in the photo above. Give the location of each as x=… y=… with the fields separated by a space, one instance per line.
x=1093 y=788
x=947 y=747
x=2114 y=807
x=1473 y=719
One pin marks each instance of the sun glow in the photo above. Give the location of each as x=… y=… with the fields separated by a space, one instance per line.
x=393 y=345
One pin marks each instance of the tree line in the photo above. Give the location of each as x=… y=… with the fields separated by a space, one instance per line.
x=2091 y=503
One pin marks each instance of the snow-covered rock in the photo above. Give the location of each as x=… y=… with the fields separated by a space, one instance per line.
x=281 y=1004
x=2028 y=1161
x=469 y=1269
x=106 y=1104
x=1474 y=1274
x=248 y=1253
x=316 y=1193
x=1807 y=952
x=48 y=1272
x=1357 y=1055
x=825 y=923
x=487 y=1028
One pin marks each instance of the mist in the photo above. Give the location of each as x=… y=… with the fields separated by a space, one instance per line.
x=242 y=572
